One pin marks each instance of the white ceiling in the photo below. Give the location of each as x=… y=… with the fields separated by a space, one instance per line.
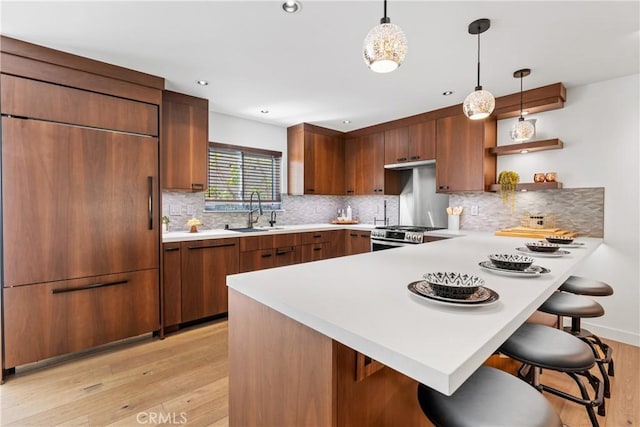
x=308 y=66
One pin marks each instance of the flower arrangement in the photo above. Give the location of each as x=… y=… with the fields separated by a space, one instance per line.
x=508 y=181
x=165 y=223
x=193 y=224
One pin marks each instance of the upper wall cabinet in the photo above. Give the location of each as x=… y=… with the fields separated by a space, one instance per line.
x=364 y=167
x=184 y=142
x=463 y=160
x=315 y=160
x=412 y=143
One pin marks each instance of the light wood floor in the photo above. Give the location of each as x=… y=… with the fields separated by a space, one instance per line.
x=183 y=380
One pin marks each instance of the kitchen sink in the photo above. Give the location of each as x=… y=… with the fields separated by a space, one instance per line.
x=246 y=230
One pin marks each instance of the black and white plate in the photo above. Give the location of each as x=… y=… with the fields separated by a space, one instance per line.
x=483 y=296
x=532 y=271
x=573 y=244
x=557 y=254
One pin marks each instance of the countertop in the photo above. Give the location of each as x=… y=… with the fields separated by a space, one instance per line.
x=362 y=301
x=183 y=236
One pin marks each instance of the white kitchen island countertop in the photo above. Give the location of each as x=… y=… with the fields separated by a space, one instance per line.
x=362 y=301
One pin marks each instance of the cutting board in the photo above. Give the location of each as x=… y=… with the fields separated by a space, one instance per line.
x=534 y=233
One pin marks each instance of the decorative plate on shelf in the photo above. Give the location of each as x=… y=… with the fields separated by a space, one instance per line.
x=556 y=254
x=532 y=271
x=483 y=296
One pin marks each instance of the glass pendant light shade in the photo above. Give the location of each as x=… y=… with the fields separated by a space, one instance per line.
x=523 y=130
x=479 y=104
x=385 y=46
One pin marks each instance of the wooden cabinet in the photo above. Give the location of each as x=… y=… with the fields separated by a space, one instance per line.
x=205 y=266
x=55 y=318
x=184 y=142
x=357 y=242
x=91 y=207
x=171 y=284
x=315 y=160
x=364 y=167
x=317 y=245
x=463 y=159
x=274 y=250
x=412 y=143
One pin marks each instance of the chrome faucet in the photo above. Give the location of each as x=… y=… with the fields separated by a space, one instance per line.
x=251 y=210
x=272 y=221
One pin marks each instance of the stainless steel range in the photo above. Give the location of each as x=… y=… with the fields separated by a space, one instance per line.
x=394 y=236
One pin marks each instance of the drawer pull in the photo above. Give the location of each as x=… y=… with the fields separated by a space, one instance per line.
x=317 y=236
x=353 y=234
x=223 y=245
x=150 y=201
x=284 y=251
x=317 y=249
x=265 y=255
x=92 y=286
x=401 y=159
x=197 y=186
x=172 y=249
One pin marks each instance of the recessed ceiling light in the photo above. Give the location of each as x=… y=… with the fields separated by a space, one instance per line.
x=524 y=112
x=524 y=151
x=264 y=111
x=447 y=92
x=346 y=122
x=291 y=6
x=202 y=82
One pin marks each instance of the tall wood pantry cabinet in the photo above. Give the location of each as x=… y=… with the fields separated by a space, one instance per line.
x=80 y=203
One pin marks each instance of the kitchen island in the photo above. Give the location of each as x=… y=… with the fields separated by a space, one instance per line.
x=306 y=341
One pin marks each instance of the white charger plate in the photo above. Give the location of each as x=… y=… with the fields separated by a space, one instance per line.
x=557 y=254
x=426 y=293
x=531 y=271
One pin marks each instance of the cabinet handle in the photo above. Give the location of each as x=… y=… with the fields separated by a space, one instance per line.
x=401 y=159
x=317 y=249
x=265 y=255
x=197 y=186
x=443 y=187
x=150 y=201
x=284 y=251
x=349 y=191
x=310 y=190
x=222 y=245
x=366 y=236
x=172 y=249
x=92 y=286
x=415 y=157
x=353 y=234
x=317 y=236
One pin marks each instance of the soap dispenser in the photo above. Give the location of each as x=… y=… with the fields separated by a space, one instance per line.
x=349 y=212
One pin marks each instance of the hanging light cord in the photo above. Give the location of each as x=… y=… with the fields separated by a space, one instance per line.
x=521 y=118
x=478 y=87
x=385 y=19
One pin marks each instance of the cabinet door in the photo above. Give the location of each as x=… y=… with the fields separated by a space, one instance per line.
x=357 y=242
x=285 y=255
x=352 y=148
x=171 y=284
x=185 y=136
x=396 y=145
x=77 y=202
x=205 y=266
x=50 y=319
x=462 y=163
x=422 y=141
x=314 y=251
x=323 y=164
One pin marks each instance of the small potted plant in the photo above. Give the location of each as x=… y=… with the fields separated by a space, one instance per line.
x=165 y=224
x=508 y=181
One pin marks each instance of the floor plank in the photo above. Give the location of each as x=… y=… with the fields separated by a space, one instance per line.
x=183 y=379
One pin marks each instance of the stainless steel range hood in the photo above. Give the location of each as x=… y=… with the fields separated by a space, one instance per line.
x=410 y=165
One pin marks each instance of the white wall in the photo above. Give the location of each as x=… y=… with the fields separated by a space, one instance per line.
x=233 y=130
x=600 y=127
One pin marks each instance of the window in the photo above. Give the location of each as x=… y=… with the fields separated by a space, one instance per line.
x=235 y=172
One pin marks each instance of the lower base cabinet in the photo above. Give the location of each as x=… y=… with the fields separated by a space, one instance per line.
x=72 y=315
x=357 y=242
x=205 y=265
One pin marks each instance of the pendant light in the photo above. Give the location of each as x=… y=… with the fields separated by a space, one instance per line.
x=480 y=103
x=385 y=46
x=522 y=130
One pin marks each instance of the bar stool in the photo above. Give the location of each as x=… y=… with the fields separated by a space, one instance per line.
x=564 y=304
x=582 y=286
x=489 y=398
x=540 y=347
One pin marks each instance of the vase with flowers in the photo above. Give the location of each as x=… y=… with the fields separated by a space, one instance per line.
x=508 y=181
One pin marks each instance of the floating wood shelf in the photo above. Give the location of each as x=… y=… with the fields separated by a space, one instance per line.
x=531 y=186
x=546 y=144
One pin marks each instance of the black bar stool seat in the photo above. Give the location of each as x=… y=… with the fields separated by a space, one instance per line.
x=564 y=304
x=583 y=286
x=543 y=347
x=489 y=398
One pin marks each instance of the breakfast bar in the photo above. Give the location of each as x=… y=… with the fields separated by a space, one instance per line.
x=344 y=341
